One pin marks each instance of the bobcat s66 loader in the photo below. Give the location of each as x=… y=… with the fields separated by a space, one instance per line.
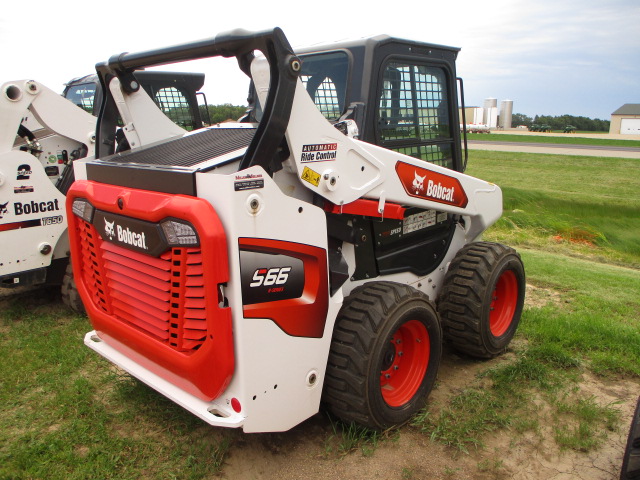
x=321 y=250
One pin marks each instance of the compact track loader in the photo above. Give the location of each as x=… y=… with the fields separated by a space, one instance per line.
x=322 y=249
x=42 y=133
x=34 y=176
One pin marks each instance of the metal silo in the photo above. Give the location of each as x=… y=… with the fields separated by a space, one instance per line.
x=490 y=102
x=506 y=111
x=490 y=112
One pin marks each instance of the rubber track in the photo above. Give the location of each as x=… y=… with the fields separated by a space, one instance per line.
x=460 y=302
x=356 y=329
x=70 y=296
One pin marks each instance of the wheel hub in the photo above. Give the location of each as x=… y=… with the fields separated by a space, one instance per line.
x=404 y=363
x=388 y=356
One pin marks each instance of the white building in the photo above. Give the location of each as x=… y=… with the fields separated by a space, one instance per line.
x=626 y=119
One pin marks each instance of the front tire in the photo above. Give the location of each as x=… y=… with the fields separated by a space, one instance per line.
x=384 y=357
x=482 y=299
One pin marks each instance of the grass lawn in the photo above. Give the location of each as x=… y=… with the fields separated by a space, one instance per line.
x=576 y=223
x=68 y=414
x=551 y=200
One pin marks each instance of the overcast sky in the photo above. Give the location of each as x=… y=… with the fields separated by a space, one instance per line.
x=550 y=57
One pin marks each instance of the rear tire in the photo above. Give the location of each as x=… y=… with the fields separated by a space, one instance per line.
x=384 y=357
x=482 y=299
x=70 y=296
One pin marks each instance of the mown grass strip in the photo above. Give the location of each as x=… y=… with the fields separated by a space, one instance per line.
x=578 y=213
x=592 y=323
x=565 y=140
x=597 y=314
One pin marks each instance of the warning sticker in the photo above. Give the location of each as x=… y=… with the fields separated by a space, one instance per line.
x=320 y=152
x=310 y=176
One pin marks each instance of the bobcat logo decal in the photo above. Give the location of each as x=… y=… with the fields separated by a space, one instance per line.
x=418 y=183
x=3 y=209
x=109 y=230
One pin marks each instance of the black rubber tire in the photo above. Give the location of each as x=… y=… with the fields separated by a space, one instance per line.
x=631 y=459
x=70 y=296
x=372 y=320
x=468 y=295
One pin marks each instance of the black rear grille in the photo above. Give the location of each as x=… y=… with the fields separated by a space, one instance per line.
x=190 y=150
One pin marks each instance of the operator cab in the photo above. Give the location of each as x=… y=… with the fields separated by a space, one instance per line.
x=400 y=93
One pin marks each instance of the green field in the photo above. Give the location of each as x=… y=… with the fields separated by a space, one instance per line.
x=68 y=414
x=587 y=206
x=576 y=223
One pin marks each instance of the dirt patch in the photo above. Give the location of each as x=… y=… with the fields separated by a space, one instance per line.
x=537 y=297
x=309 y=450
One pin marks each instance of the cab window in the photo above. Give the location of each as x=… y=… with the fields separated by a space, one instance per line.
x=174 y=105
x=83 y=95
x=414 y=112
x=325 y=78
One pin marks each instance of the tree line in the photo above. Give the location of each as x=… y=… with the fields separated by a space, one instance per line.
x=561 y=121
x=213 y=114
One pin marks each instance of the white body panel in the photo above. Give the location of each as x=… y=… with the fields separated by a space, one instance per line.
x=362 y=170
x=271 y=379
x=155 y=126
x=35 y=217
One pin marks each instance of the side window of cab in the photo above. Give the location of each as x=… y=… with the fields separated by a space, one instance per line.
x=413 y=112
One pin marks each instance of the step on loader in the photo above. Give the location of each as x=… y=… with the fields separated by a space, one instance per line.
x=322 y=249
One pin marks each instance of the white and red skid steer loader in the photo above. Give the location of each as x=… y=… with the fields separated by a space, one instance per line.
x=322 y=249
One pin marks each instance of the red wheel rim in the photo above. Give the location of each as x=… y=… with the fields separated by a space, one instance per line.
x=404 y=364
x=503 y=303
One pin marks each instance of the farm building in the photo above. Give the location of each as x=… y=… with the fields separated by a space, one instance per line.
x=626 y=119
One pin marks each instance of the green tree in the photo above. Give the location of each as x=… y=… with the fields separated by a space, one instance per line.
x=521 y=119
x=221 y=113
x=581 y=123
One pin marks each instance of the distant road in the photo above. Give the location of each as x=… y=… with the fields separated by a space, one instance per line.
x=556 y=148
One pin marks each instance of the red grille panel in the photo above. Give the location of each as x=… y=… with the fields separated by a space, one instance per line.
x=164 y=313
x=162 y=297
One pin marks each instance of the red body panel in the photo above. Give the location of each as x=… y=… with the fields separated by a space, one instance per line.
x=429 y=185
x=306 y=315
x=368 y=208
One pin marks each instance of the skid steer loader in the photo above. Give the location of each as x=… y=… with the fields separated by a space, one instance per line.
x=34 y=173
x=321 y=250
